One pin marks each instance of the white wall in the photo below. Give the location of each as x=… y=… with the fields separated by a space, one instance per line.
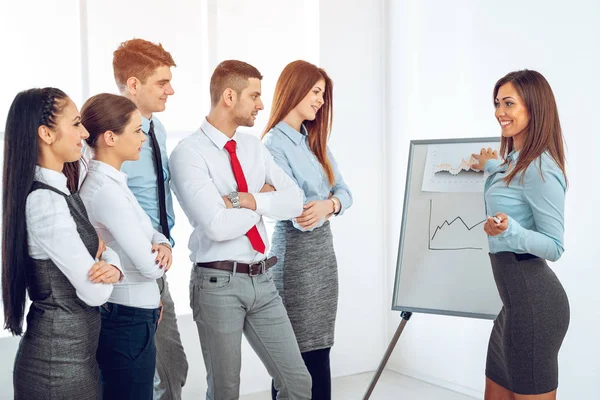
x=444 y=59
x=351 y=52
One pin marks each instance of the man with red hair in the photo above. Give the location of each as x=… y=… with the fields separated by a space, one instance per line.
x=142 y=72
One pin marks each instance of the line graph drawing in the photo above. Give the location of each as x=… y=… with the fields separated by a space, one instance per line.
x=448 y=168
x=453 y=235
x=463 y=166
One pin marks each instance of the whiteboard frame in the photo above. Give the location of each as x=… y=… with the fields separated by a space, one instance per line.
x=395 y=306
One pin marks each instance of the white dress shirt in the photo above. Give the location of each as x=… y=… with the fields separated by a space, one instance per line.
x=201 y=174
x=52 y=234
x=123 y=225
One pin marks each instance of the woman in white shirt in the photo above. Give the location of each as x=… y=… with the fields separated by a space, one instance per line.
x=126 y=352
x=50 y=249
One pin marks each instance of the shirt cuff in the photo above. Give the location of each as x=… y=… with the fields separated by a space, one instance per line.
x=263 y=202
x=300 y=228
x=344 y=199
x=109 y=256
x=512 y=230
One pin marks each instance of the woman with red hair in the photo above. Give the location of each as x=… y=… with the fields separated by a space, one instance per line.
x=306 y=274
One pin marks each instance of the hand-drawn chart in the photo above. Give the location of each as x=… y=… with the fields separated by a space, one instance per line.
x=454 y=232
x=448 y=167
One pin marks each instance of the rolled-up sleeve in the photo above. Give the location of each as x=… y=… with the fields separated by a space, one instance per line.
x=340 y=189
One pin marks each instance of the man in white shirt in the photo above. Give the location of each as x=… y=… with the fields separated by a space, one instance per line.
x=226 y=181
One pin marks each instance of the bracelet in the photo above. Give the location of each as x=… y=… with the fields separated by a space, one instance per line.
x=166 y=244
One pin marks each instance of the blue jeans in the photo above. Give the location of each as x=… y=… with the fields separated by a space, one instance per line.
x=227 y=305
x=126 y=351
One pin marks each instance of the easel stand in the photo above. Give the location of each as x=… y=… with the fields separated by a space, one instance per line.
x=405 y=317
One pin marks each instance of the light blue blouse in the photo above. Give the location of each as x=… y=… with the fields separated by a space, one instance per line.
x=291 y=152
x=534 y=202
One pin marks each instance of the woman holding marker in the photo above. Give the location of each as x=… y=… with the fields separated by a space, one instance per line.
x=524 y=196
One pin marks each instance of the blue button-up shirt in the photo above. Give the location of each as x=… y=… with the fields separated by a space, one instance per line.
x=141 y=176
x=534 y=202
x=291 y=152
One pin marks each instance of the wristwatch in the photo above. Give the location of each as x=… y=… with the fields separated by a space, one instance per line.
x=234 y=198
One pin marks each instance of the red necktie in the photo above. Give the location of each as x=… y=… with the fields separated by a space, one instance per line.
x=255 y=239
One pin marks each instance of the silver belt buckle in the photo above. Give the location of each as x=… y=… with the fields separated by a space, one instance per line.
x=261 y=270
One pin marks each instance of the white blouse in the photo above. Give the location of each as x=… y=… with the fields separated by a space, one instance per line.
x=52 y=234
x=123 y=225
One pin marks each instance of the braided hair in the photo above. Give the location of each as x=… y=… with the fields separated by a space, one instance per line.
x=51 y=106
x=29 y=110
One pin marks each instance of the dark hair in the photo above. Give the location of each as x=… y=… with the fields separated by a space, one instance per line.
x=100 y=113
x=105 y=112
x=29 y=110
x=543 y=133
x=295 y=82
x=231 y=74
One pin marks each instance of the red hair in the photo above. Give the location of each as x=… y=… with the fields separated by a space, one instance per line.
x=138 y=58
x=295 y=81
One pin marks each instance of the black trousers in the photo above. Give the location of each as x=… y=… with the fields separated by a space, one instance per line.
x=126 y=352
x=317 y=363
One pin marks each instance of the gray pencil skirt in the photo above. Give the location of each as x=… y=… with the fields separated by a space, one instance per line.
x=528 y=332
x=307 y=280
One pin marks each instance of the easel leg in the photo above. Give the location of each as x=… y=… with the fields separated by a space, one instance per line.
x=405 y=317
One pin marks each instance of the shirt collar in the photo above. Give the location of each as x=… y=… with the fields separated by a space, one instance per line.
x=53 y=178
x=146 y=124
x=215 y=135
x=513 y=155
x=291 y=133
x=111 y=172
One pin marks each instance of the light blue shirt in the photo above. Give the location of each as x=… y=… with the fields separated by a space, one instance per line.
x=291 y=152
x=141 y=176
x=534 y=202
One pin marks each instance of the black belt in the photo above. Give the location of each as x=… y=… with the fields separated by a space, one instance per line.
x=524 y=257
x=253 y=269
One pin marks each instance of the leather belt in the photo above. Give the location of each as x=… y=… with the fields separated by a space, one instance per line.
x=525 y=257
x=253 y=269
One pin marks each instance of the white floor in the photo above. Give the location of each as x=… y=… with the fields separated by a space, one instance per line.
x=391 y=386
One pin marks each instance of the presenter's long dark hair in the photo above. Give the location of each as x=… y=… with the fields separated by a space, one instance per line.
x=29 y=110
x=543 y=133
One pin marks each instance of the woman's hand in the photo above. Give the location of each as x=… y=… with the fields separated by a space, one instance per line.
x=164 y=255
x=493 y=228
x=482 y=157
x=101 y=248
x=314 y=211
x=160 y=313
x=101 y=272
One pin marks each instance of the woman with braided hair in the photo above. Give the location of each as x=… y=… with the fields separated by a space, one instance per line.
x=50 y=250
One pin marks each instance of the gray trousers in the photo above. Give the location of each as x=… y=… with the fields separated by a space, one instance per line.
x=225 y=305
x=171 y=363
